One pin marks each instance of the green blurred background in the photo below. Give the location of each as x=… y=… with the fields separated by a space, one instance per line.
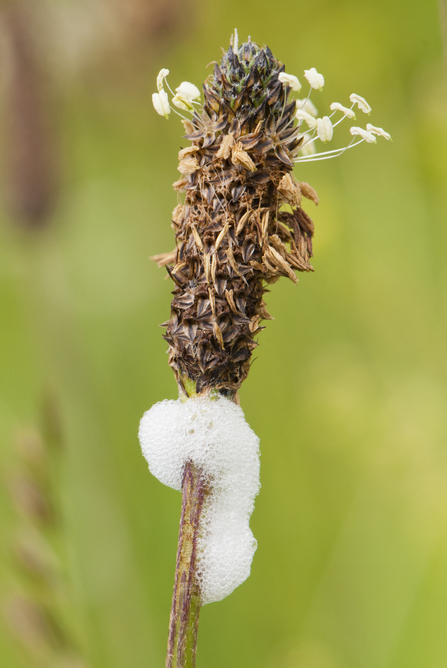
x=349 y=393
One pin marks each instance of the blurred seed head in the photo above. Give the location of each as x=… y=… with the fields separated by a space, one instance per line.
x=30 y=158
x=36 y=617
x=31 y=625
x=33 y=557
x=150 y=19
x=31 y=450
x=31 y=500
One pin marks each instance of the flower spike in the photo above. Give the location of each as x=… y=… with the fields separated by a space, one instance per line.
x=295 y=148
x=239 y=227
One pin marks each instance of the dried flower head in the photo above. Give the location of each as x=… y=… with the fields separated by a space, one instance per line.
x=241 y=225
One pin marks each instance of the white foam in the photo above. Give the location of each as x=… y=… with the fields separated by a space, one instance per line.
x=214 y=435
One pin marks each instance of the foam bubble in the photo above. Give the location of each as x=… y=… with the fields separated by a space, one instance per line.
x=214 y=435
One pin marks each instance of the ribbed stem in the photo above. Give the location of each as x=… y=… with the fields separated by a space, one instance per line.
x=186 y=602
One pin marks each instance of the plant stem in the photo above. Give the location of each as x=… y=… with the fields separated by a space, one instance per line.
x=186 y=601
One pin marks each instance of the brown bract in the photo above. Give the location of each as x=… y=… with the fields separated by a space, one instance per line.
x=241 y=226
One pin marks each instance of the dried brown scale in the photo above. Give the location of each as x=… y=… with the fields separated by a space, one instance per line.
x=233 y=235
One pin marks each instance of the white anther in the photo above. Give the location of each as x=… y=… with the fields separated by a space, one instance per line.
x=367 y=136
x=377 y=131
x=308 y=146
x=182 y=102
x=325 y=129
x=187 y=90
x=360 y=102
x=161 y=77
x=289 y=80
x=308 y=106
x=315 y=79
x=336 y=106
x=161 y=103
x=302 y=115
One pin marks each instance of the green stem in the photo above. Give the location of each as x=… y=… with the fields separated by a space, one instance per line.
x=186 y=601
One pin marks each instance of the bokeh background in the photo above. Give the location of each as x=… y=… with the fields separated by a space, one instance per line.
x=348 y=396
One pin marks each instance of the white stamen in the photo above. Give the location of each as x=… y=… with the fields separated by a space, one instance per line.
x=367 y=136
x=161 y=103
x=187 y=90
x=336 y=106
x=182 y=102
x=289 y=80
x=360 y=102
x=330 y=154
x=308 y=147
x=325 y=129
x=302 y=115
x=378 y=131
x=315 y=79
x=308 y=106
x=161 y=77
